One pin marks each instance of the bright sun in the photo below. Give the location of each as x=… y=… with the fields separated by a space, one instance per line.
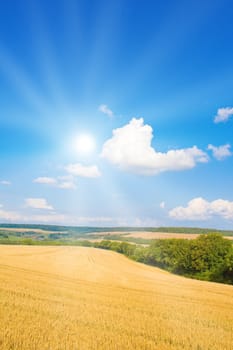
x=84 y=144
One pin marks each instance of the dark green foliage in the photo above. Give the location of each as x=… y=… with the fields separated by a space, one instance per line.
x=208 y=257
x=120 y=247
x=208 y=252
x=3 y=235
x=169 y=253
x=191 y=230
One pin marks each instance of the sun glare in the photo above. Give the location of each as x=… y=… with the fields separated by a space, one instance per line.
x=84 y=144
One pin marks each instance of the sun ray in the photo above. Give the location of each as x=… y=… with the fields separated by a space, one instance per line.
x=21 y=81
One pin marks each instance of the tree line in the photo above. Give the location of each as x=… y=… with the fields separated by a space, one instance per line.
x=208 y=257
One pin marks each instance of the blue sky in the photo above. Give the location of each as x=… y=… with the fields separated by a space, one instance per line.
x=116 y=112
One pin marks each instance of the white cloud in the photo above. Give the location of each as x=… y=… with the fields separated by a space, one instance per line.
x=9 y=215
x=162 y=205
x=223 y=208
x=5 y=182
x=104 y=109
x=64 y=182
x=38 y=203
x=67 y=185
x=130 y=149
x=223 y=114
x=201 y=209
x=45 y=180
x=197 y=209
x=78 y=169
x=220 y=152
x=52 y=218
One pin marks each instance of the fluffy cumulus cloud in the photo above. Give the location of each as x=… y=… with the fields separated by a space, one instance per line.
x=220 y=152
x=77 y=169
x=104 y=109
x=38 y=203
x=130 y=149
x=223 y=114
x=201 y=209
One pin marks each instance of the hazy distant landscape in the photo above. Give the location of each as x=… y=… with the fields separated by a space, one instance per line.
x=44 y=232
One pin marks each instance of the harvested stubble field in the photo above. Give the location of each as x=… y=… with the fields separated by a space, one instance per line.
x=151 y=235
x=36 y=230
x=76 y=298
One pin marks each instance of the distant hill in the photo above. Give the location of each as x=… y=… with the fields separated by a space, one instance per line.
x=89 y=229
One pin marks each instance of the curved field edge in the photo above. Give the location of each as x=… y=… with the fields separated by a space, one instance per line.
x=85 y=298
x=207 y=257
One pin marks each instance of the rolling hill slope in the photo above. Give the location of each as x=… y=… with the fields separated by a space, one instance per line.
x=76 y=298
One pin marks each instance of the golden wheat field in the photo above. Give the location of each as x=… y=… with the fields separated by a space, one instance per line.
x=76 y=298
x=150 y=235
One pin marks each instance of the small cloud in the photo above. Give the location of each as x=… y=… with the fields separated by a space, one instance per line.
x=9 y=215
x=104 y=109
x=64 y=182
x=38 y=203
x=5 y=182
x=67 y=185
x=45 y=180
x=223 y=114
x=78 y=169
x=201 y=209
x=220 y=152
x=130 y=149
x=162 y=205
